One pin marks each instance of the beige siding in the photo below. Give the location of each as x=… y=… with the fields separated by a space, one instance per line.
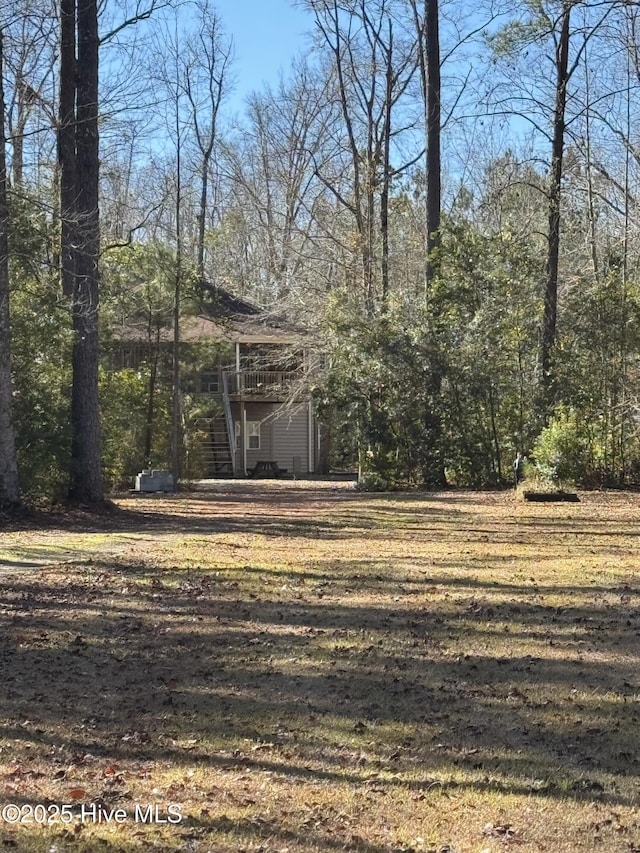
x=255 y=412
x=290 y=437
x=284 y=436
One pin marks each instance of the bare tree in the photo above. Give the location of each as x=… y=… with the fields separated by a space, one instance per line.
x=30 y=58
x=66 y=137
x=81 y=239
x=176 y=88
x=545 y=27
x=550 y=311
x=373 y=70
x=9 y=490
x=427 y=25
x=208 y=57
x=273 y=193
x=175 y=115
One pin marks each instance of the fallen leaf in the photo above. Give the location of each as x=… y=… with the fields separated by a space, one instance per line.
x=77 y=793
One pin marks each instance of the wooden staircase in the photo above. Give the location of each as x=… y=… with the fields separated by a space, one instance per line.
x=216 y=446
x=218 y=440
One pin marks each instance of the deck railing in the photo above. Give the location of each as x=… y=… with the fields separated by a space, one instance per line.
x=265 y=383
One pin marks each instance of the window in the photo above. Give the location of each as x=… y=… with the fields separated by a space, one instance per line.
x=253 y=435
x=209 y=382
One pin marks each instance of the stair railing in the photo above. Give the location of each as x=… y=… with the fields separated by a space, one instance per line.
x=231 y=429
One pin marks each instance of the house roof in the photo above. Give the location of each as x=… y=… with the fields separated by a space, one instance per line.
x=218 y=302
x=222 y=317
x=242 y=321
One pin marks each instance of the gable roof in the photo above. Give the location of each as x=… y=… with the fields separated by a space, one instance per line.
x=242 y=321
x=218 y=302
x=222 y=317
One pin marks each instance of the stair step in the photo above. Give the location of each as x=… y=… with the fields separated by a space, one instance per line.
x=215 y=445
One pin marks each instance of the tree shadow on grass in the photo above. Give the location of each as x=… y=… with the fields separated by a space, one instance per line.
x=278 y=512
x=354 y=670
x=322 y=514
x=138 y=675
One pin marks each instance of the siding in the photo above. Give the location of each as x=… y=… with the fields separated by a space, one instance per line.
x=290 y=438
x=255 y=412
x=282 y=437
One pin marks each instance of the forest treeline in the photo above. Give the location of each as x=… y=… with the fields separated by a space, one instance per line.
x=444 y=198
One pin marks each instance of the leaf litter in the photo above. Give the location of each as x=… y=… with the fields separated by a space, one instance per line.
x=312 y=669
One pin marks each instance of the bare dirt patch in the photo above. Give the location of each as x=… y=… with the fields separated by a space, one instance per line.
x=310 y=669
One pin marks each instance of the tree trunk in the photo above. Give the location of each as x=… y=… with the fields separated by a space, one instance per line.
x=17 y=161
x=202 y=214
x=553 y=253
x=86 y=471
x=433 y=118
x=67 y=145
x=386 y=168
x=428 y=36
x=151 y=395
x=176 y=404
x=9 y=490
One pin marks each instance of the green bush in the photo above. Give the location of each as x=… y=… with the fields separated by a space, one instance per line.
x=371 y=481
x=124 y=401
x=41 y=348
x=565 y=451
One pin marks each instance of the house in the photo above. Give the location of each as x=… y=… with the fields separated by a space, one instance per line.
x=255 y=414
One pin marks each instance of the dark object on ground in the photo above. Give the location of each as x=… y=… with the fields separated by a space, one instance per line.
x=267 y=469
x=570 y=497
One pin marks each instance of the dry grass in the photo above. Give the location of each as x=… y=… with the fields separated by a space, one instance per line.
x=312 y=669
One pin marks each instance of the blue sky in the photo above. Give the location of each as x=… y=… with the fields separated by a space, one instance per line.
x=267 y=34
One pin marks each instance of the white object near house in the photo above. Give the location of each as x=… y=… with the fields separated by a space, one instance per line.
x=154 y=480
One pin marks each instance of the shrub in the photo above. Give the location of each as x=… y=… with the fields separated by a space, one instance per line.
x=564 y=451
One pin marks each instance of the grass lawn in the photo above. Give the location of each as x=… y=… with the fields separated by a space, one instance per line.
x=296 y=667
